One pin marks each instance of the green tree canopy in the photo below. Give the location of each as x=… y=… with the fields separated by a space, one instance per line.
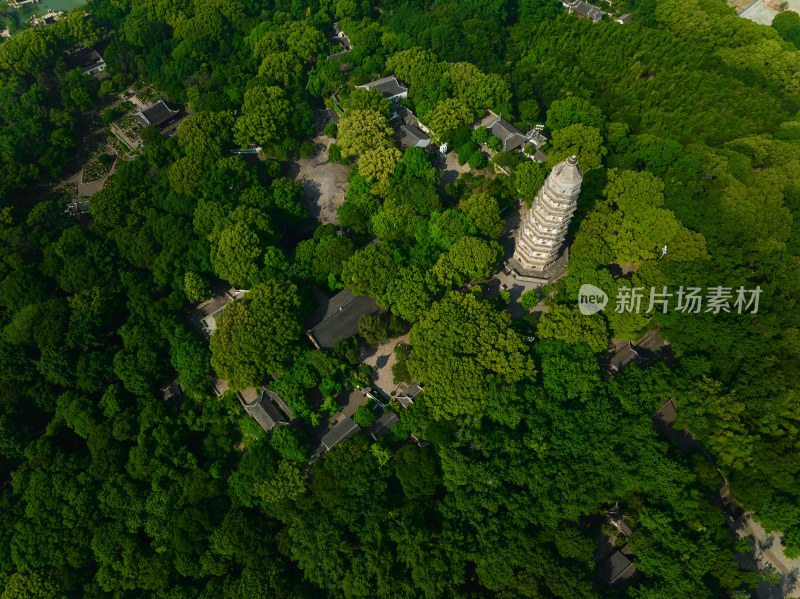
x=264 y=119
x=528 y=179
x=572 y=110
x=236 y=253
x=459 y=347
x=579 y=140
x=258 y=335
x=567 y=324
x=362 y=130
x=367 y=99
x=447 y=116
x=469 y=259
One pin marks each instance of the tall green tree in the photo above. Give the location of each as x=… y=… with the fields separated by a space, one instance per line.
x=258 y=335
x=459 y=347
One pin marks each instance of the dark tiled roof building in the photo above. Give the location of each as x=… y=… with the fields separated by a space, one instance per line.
x=507 y=133
x=279 y=402
x=616 y=569
x=338 y=318
x=382 y=425
x=345 y=429
x=390 y=87
x=157 y=114
x=89 y=61
x=583 y=9
x=208 y=311
x=220 y=386
x=405 y=397
x=261 y=409
x=412 y=137
x=620 y=355
x=173 y=391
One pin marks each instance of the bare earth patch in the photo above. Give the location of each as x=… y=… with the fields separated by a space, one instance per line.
x=324 y=183
x=739 y=5
x=381 y=359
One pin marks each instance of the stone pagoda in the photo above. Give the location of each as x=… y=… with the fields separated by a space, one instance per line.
x=544 y=226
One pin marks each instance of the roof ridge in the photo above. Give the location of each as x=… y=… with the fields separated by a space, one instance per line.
x=327 y=318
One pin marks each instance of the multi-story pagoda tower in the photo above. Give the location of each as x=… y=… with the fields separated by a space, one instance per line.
x=544 y=226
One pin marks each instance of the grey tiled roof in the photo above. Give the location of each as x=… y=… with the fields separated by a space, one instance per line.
x=346 y=428
x=220 y=386
x=383 y=425
x=260 y=408
x=173 y=390
x=584 y=9
x=279 y=402
x=410 y=136
x=156 y=114
x=621 y=357
x=84 y=58
x=511 y=137
x=338 y=318
x=667 y=413
x=388 y=86
x=617 y=568
x=406 y=396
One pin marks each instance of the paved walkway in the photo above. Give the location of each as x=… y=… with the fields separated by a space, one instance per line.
x=769 y=554
x=449 y=166
x=89 y=189
x=501 y=281
x=759 y=13
x=382 y=358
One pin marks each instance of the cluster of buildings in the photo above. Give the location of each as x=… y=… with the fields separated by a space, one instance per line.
x=264 y=405
x=340 y=41
x=529 y=143
x=411 y=133
x=334 y=319
x=48 y=18
x=538 y=255
x=585 y=10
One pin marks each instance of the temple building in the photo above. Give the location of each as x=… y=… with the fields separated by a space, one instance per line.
x=544 y=226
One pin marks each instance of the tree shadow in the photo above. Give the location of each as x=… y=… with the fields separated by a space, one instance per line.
x=381 y=361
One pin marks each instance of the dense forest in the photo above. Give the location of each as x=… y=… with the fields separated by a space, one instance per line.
x=496 y=482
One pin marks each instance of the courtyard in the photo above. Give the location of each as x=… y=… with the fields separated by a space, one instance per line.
x=763 y=11
x=324 y=183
